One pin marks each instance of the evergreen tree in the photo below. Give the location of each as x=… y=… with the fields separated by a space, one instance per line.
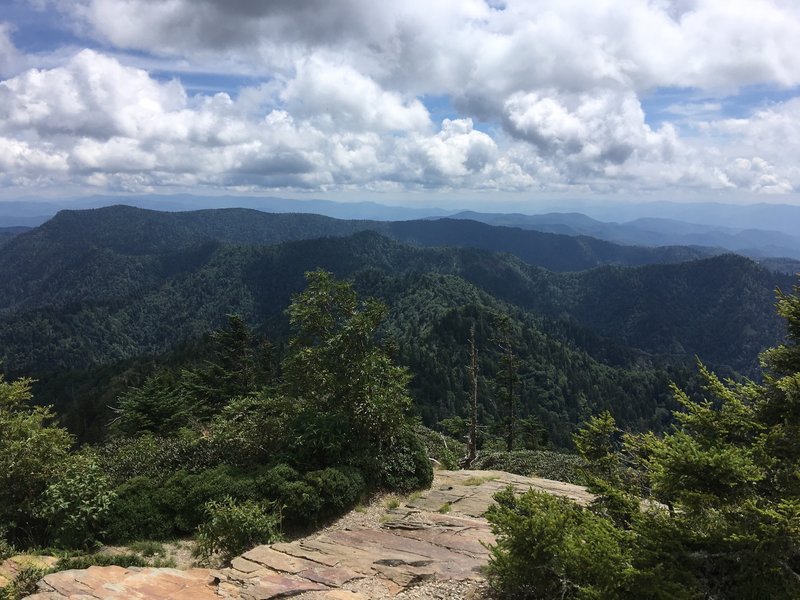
x=709 y=510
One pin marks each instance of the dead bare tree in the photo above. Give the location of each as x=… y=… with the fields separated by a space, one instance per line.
x=472 y=437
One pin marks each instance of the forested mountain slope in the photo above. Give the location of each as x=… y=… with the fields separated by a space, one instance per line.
x=79 y=298
x=159 y=243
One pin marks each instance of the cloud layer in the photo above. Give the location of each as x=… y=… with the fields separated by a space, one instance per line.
x=519 y=95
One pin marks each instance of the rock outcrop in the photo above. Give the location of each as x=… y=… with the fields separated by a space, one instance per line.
x=435 y=538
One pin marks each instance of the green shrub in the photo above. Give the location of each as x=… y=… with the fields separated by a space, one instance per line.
x=549 y=547
x=156 y=457
x=148 y=548
x=403 y=465
x=187 y=493
x=85 y=561
x=163 y=509
x=446 y=450
x=77 y=503
x=298 y=501
x=23 y=584
x=338 y=490
x=32 y=450
x=6 y=549
x=139 y=511
x=232 y=527
x=537 y=463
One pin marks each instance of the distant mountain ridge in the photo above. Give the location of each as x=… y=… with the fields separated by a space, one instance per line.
x=90 y=295
x=652 y=231
x=116 y=256
x=761 y=231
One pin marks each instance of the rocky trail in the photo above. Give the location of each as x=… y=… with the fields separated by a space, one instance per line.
x=425 y=546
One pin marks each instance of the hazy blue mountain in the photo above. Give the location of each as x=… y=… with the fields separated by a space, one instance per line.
x=770 y=217
x=651 y=231
x=32 y=213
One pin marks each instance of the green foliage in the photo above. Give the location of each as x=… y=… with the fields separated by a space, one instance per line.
x=85 y=561
x=139 y=512
x=354 y=399
x=440 y=447
x=6 y=549
x=536 y=463
x=232 y=527
x=253 y=429
x=548 y=547
x=721 y=500
x=153 y=456
x=32 y=452
x=338 y=490
x=159 y=406
x=77 y=502
x=402 y=465
x=335 y=365
x=148 y=548
x=23 y=584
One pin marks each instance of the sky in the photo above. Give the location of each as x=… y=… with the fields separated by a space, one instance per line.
x=419 y=101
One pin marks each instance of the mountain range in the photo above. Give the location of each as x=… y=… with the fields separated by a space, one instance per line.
x=595 y=324
x=763 y=231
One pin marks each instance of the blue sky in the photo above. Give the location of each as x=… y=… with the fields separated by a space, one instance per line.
x=419 y=101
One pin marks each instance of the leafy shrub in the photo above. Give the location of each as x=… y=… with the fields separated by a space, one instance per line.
x=232 y=528
x=446 y=450
x=549 y=547
x=139 y=511
x=338 y=489
x=298 y=501
x=148 y=548
x=23 y=584
x=403 y=465
x=251 y=429
x=187 y=493
x=6 y=549
x=538 y=463
x=161 y=509
x=77 y=503
x=31 y=452
x=101 y=560
x=154 y=456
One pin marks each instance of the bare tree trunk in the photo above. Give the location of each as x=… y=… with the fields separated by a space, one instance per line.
x=472 y=439
x=511 y=408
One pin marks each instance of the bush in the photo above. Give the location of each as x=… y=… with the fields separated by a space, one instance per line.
x=446 y=450
x=77 y=504
x=32 y=450
x=149 y=508
x=404 y=465
x=232 y=528
x=156 y=457
x=338 y=490
x=23 y=584
x=536 y=463
x=549 y=547
x=299 y=502
x=139 y=511
x=187 y=493
x=126 y=560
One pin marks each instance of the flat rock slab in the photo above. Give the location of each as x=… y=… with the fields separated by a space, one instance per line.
x=117 y=583
x=438 y=536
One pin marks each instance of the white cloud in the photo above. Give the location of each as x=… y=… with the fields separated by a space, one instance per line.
x=338 y=101
x=339 y=97
x=11 y=59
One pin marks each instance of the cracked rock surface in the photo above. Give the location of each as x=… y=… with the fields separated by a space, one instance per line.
x=430 y=545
